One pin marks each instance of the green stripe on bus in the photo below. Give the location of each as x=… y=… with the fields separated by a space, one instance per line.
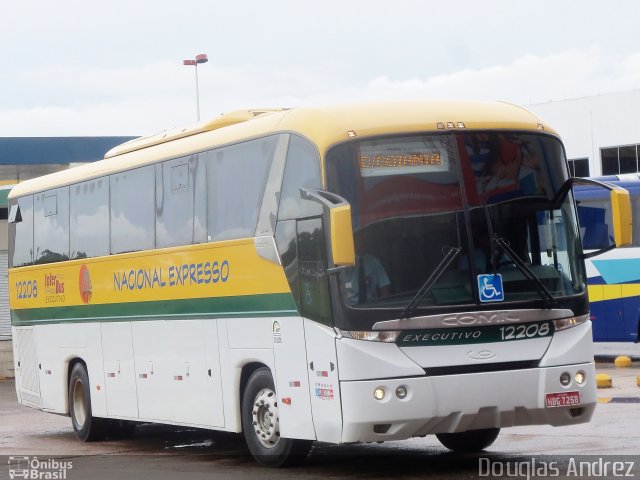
x=278 y=304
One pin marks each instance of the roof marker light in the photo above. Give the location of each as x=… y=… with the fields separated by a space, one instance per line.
x=440 y=125
x=461 y=125
x=451 y=125
x=351 y=134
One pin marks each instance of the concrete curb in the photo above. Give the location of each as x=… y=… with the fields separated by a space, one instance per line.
x=606 y=358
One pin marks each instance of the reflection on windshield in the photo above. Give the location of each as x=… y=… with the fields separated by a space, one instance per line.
x=413 y=199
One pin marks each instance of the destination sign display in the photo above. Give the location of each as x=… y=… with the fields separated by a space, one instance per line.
x=379 y=158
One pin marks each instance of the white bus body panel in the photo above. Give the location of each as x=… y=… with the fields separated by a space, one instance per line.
x=455 y=403
x=361 y=360
x=570 y=346
x=242 y=341
x=26 y=366
x=324 y=384
x=291 y=379
x=459 y=402
x=58 y=345
x=119 y=370
x=173 y=360
x=451 y=355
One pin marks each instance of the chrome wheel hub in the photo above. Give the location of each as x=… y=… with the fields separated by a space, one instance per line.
x=79 y=404
x=265 y=418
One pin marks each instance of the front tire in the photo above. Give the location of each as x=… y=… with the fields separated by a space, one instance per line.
x=261 y=424
x=469 y=442
x=86 y=427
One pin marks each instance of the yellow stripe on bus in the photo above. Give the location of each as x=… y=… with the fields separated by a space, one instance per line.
x=599 y=293
x=221 y=269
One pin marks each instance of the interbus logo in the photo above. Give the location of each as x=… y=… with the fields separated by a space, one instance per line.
x=85 y=284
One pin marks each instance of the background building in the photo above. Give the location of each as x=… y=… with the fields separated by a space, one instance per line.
x=22 y=158
x=601 y=133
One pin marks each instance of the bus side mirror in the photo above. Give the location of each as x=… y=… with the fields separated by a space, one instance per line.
x=342 y=248
x=605 y=220
x=340 y=236
x=621 y=213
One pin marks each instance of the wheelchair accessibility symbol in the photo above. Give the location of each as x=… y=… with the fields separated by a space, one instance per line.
x=490 y=288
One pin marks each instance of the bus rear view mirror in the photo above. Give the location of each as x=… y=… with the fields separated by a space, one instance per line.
x=621 y=213
x=604 y=212
x=342 y=248
x=340 y=236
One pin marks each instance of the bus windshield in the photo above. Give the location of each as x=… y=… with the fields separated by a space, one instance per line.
x=475 y=208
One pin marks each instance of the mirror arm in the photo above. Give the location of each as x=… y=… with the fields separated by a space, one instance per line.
x=597 y=252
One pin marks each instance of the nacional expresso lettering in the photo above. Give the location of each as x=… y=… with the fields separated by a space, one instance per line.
x=188 y=274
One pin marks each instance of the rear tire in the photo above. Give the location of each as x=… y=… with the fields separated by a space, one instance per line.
x=261 y=424
x=469 y=442
x=86 y=427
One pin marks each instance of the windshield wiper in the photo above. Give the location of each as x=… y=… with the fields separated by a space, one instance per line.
x=524 y=268
x=449 y=257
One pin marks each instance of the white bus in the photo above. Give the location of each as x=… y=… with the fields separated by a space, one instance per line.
x=341 y=274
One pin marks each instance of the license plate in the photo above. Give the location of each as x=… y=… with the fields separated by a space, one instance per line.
x=562 y=399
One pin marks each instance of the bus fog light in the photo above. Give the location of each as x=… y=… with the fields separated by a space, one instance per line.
x=401 y=392
x=565 y=379
x=580 y=377
x=378 y=393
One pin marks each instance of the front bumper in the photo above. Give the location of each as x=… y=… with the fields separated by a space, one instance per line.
x=455 y=403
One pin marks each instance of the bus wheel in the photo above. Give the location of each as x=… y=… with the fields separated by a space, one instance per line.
x=261 y=427
x=86 y=427
x=470 y=441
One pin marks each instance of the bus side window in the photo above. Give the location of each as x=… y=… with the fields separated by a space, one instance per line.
x=595 y=225
x=312 y=270
x=89 y=219
x=302 y=170
x=132 y=210
x=51 y=226
x=236 y=178
x=181 y=202
x=21 y=232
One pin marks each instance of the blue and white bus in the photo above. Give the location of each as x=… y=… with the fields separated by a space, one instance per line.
x=613 y=273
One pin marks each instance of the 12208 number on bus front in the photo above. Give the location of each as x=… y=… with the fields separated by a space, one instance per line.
x=532 y=330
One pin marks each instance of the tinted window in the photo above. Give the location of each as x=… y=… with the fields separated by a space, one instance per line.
x=132 y=210
x=302 y=170
x=610 y=161
x=23 y=241
x=180 y=202
x=236 y=177
x=596 y=224
x=51 y=222
x=89 y=212
x=312 y=266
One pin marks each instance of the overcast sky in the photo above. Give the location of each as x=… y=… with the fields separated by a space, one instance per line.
x=115 y=67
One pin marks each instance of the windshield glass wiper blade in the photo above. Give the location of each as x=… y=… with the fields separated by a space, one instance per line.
x=544 y=293
x=449 y=257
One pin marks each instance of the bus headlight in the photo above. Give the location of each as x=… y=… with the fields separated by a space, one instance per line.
x=401 y=392
x=378 y=393
x=580 y=377
x=385 y=336
x=564 y=323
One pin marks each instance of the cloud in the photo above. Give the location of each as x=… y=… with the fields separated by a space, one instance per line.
x=148 y=98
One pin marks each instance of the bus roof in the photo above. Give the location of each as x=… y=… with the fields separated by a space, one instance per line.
x=325 y=126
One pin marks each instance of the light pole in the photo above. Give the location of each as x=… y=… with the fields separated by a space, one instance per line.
x=202 y=58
